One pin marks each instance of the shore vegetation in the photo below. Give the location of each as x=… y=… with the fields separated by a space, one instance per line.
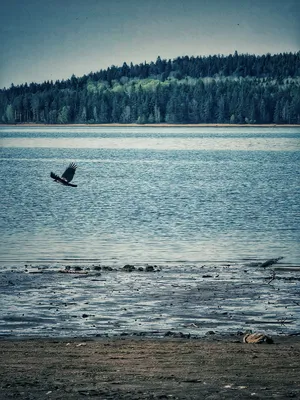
x=235 y=89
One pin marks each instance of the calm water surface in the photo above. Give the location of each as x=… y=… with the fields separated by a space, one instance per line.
x=150 y=194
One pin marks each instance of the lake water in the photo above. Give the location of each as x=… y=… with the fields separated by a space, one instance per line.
x=150 y=194
x=190 y=200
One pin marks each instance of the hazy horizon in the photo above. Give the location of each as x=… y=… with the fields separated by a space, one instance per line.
x=53 y=41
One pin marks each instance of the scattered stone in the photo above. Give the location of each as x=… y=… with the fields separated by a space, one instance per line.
x=85 y=315
x=107 y=268
x=129 y=268
x=77 y=268
x=210 y=333
x=97 y=268
x=149 y=268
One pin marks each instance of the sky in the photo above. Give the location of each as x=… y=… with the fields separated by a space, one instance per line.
x=48 y=40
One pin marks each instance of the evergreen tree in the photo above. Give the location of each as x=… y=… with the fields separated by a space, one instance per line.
x=238 y=88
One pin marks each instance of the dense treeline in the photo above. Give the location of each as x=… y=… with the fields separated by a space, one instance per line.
x=238 y=88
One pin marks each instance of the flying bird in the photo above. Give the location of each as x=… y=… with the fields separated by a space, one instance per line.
x=67 y=176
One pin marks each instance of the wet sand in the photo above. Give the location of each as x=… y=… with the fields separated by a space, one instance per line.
x=138 y=368
x=89 y=301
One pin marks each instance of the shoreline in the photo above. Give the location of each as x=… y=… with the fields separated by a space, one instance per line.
x=169 y=336
x=212 y=297
x=155 y=125
x=142 y=369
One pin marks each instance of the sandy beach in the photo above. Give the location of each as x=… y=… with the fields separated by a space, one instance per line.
x=138 y=368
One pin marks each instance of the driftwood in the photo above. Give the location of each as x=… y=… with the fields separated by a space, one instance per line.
x=272 y=277
x=257 y=338
x=269 y=262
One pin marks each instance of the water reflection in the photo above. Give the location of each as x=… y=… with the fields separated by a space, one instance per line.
x=190 y=143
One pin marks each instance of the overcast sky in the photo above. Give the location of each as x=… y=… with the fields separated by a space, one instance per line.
x=54 y=39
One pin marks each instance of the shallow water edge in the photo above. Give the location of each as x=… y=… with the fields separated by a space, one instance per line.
x=148 y=301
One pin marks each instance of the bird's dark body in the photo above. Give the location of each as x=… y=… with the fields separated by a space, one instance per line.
x=66 y=177
x=63 y=181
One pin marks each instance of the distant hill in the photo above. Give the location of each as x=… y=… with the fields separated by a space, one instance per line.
x=237 y=89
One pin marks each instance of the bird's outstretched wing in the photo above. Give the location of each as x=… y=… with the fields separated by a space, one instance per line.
x=54 y=176
x=69 y=173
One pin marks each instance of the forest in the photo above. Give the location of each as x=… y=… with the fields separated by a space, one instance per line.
x=234 y=89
